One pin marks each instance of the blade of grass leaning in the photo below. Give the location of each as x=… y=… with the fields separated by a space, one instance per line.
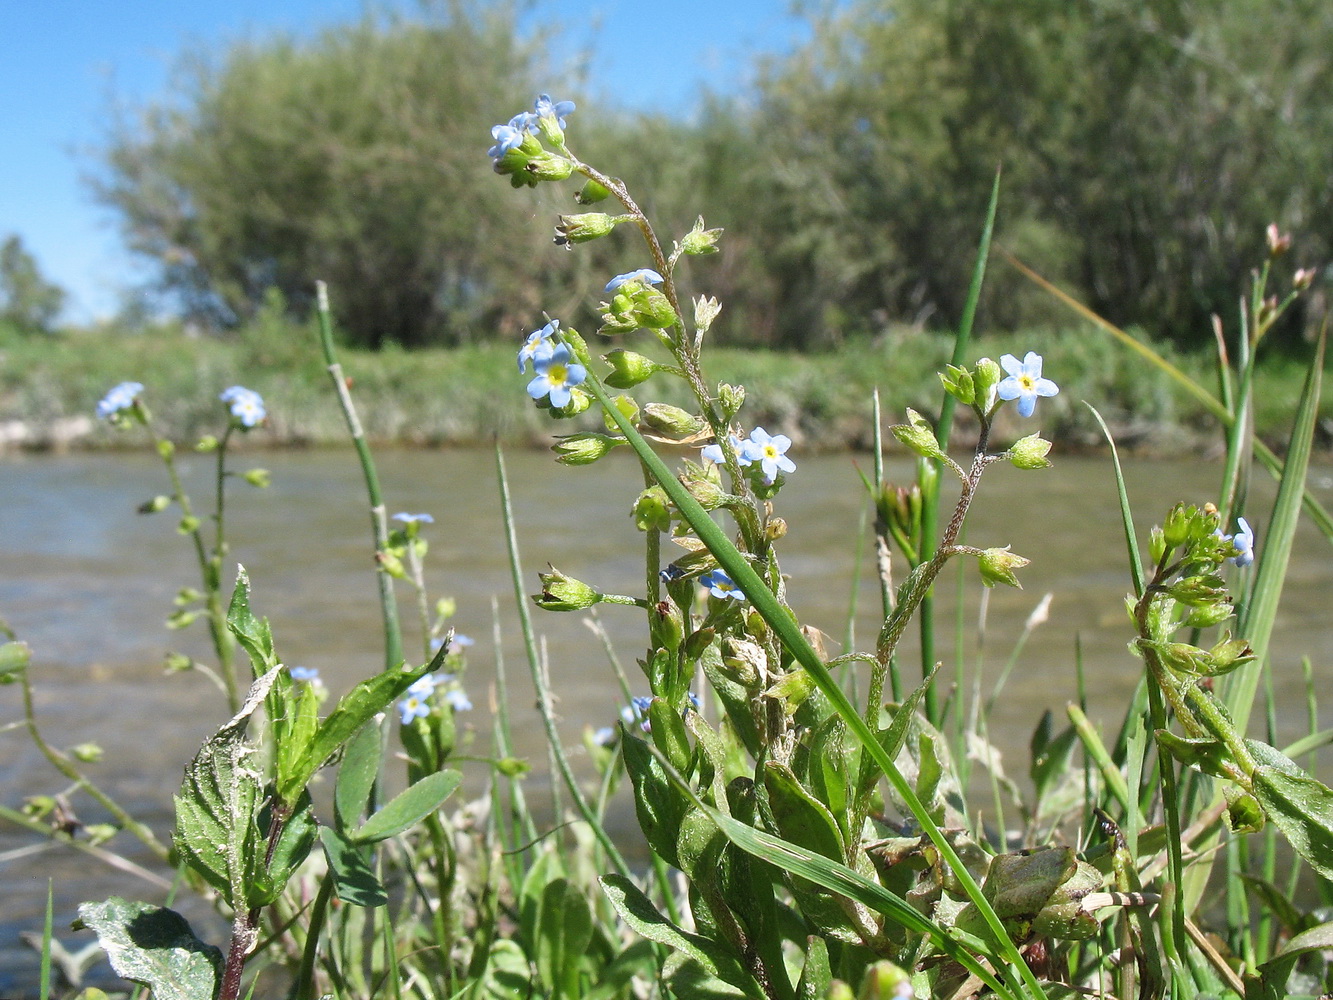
x=1273 y=558
x=534 y=663
x=1271 y=462
x=1126 y=516
x=778 y=619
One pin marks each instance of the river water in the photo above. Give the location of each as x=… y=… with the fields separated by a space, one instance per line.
x=88 y=583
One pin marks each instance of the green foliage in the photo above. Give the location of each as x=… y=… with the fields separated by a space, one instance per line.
x=155 y=947
x=28 y=301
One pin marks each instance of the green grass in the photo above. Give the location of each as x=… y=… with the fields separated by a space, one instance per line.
x=474 y=394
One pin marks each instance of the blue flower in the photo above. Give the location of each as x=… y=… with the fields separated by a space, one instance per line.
x=1025 y=383
x=642 y=274
x=120 y=398
x=604 y=737
x=556 y=375
x=770 y=451
x=413 y=518
x=1244 y=542
x=713 y=452
x=539 y=344
x=246 y=405
x=547 y=108
x=722 y=586
x=417 y=703
x=510 y=136
x=458 y=700
x=309 y=675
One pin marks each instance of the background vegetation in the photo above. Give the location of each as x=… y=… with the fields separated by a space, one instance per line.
x=1145 y=146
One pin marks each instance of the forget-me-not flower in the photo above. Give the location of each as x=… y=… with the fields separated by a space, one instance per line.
x=547 y=108
x=1024 y=383
x=770 y=451
x=407 y=518
x=1244 y=542
x=122 y=397
x=642 y=274
x=246 y=405
x=308 y=675
x=713 y=452
x=539 y=343
x=458 y=700
x=510 y=136
x=416 y=705
x=556 y=375
x=720 y=585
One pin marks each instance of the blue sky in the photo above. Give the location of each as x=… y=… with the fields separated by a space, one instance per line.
x=63 y=61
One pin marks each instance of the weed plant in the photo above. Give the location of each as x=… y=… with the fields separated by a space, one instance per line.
x=808 y=816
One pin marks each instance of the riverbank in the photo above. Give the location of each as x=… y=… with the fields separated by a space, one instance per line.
x=50 y=385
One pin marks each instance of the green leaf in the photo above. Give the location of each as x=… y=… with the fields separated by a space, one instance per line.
x=639 y=959
x=563 y=932
x=659 y=804
x=154 y=947
x=800 y=817
x=356 y=708
x=816 y=974
x=356 y=775
x=216 y=829
x=1301 y=807
x=349 y=864
x=408 y=807
x=293 y=846
x=639 y=913
x=254 y=634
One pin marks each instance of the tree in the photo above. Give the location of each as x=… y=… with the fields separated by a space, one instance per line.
x=27 y=300
x=357 y=158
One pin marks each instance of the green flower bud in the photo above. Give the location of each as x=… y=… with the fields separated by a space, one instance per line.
x=177 y=663
x=547 y=167
x=188 y=525
x=838 y=990
x=652 y=510
x=628 y=369
x=1229 y=654
x=666 y=625
x=584 y=228
x=885 y=981
x=698 y=641
x=706 y=309
x=791 y=689
x=512 y=767
x=708 y=493
x=627 y=407
x=579 y=401
x=257 y=477
x=583 y=449
x=591 y=193
x=1244 y=814
x=1030 y=453
x=1208 y=615
x=156 y=505
x=165 y=449
x=1205 y=588
x=1176 y=528
x=181 y=618
x=918 y=436
x=776 y=529
x=998 y=565
x=958 y=383
x=670 y=421
x=654 y=309
x=206 y=443
x=745 y=661
x=732 y=397
x=699 y=241
x=87 y=753
x=391 y=564
x=985 y=378
x=563 y=593
x=1179 y=656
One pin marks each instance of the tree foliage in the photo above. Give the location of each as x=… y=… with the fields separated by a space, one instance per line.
x=28 y=301
x=1144 y=148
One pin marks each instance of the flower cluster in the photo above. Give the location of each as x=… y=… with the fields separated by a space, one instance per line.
x=1243 y=540
x=518 y=150
x=119 y=399
x=768 y=450
x=555 y=371
x=417 y=703
x=246 y=406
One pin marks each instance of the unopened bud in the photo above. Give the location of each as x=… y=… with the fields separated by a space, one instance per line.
x=1278 y=242
x=156 y=505
x=652 y=511
x=709 y=494
x=592 y=192
x=998 y=565
x=629 y=369
x=1030 y=452
x=958 y=383
x=1302 y=279
x=548 y=167
x=699 y=241
x=583 y=449
x=670 y=421
x=563 y=593
x=706 y=309
x=732 y=397
x=257 y=477
x=584 y=228
x=745 y=661
x=985 y=378
x=918 y=436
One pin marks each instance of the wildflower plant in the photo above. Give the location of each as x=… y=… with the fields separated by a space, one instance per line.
x=822 y=841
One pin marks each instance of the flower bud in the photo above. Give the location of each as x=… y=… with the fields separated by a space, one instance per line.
x=655 y=310
x=1030 y=452
x=745 y=661
x=1229 y=654
x=998 y=565
x=885 y=981
x=985 y=378
x=592 y=192
x=652 y=510
x=706 y=309
x=563 y=593
x=776 y=529
x=86 y=753
x=670 y=421
x=958 y=383
x=1302 y=279
x=579 y=401
x=257 y=477
x=206 y=443
x=583 y=449
x=628 y=369
x=732 y=397
x=548 y=167
x=156 y=505
x=918 y=436
x=698 y=641
x=1244 y=814
x=584 y=228
x=666 y=625
x=1278 y=241
x=709 y=495
x=699 y=241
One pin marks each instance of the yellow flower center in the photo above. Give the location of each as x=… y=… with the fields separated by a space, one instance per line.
x=557 y=373
x=1027 y=382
